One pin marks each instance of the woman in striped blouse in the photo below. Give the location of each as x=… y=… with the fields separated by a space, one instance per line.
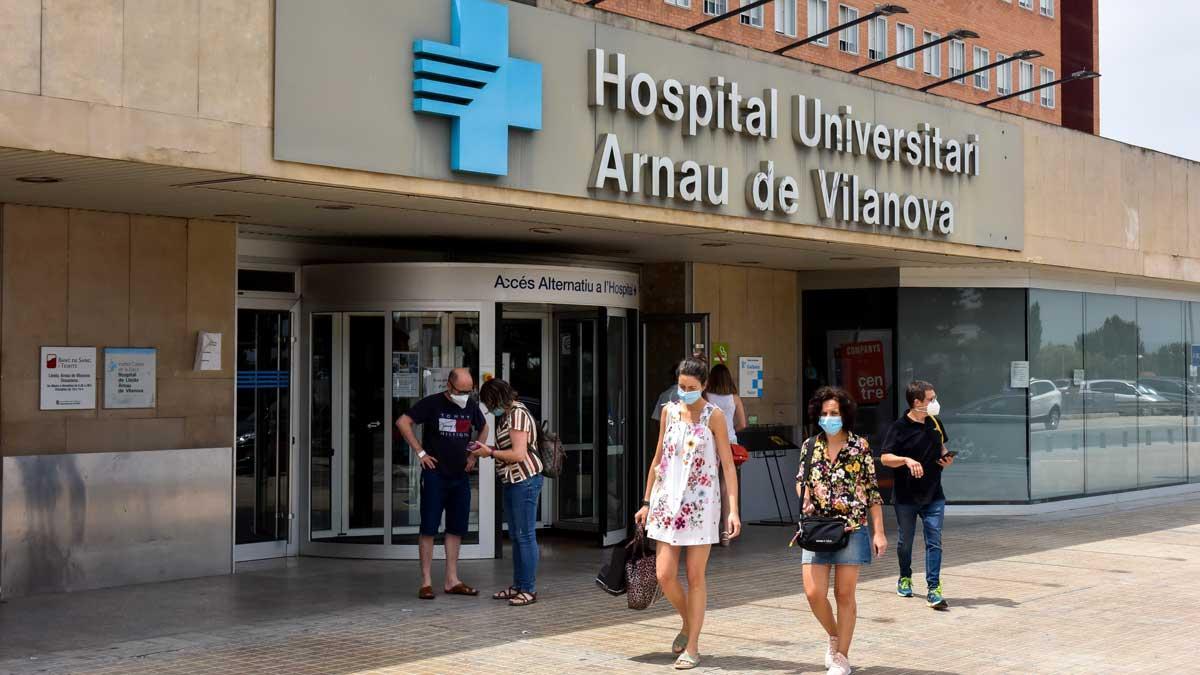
x=520 y=472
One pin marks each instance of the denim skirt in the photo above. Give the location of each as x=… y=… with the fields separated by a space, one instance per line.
x=856 y=552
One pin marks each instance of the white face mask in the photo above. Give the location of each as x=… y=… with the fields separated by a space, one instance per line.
x=934 y=408
x=460 y=399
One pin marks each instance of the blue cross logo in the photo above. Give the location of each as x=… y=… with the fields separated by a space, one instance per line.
x=475 y=83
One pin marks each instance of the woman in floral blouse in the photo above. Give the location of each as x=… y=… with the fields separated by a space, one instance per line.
x=682 y=505
x=840 y=483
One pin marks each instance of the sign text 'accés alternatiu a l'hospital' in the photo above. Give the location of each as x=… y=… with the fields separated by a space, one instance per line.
x=721 y=105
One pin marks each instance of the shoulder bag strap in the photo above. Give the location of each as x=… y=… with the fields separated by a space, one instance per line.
x=805 y=470
x=938 y=426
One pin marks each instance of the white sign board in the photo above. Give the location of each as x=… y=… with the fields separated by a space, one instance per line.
x=406 y=382
x=129 y=377
x=1019 y=375
x=1077 y=377
x=208 y=351
x=68 y=378
x=750 y=376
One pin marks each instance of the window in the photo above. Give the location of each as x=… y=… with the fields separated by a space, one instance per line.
x=753 y=17
x=818 y=20
x=877 y=38
x=906 y=39
x=1047 y=8
x=958 y=57
x=686 y=4
x=933 y=55
x=979 y=58
x=1025 y=80
x=1048 y=92
x=848 y=37
x=1003 y=76
x=785 y=17
x=1026 y=4
x=715 y=7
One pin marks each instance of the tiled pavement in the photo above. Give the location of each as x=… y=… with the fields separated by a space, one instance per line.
x=1104 y=591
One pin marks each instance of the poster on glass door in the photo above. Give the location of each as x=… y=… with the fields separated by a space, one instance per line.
x=860 y=362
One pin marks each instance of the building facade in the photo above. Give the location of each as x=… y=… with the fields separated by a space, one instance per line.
x=240 y=238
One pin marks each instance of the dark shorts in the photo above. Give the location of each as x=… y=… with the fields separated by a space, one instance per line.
x=452 y=495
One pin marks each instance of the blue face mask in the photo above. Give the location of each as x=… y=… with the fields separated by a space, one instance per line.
x=497 y=411
x=688 y=397
x=831 y=425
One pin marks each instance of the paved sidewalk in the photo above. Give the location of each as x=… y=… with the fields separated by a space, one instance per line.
x=1087 y=592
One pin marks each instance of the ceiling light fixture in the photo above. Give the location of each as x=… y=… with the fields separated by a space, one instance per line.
x=39 y=180
x=748 y=262
x=545 y=230
x=842 y=258
x=230 y=215
x=335 y=207
x=715 y=244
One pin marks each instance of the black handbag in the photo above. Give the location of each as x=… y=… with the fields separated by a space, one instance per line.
x=612 y=573
x=817 y=533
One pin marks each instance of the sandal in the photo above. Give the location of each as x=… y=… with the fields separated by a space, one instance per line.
x=506 y=594
x=521 y=599
x=686 y=661
x=426 y=593
x=680 y=643
x=461 y=589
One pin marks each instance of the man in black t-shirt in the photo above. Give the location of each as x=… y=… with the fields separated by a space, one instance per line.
x=915 y=448
x=451 y=422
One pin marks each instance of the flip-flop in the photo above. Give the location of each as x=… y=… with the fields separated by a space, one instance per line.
x=461 y=589
x=680 y=643
x=686 y=661
x=426 y=593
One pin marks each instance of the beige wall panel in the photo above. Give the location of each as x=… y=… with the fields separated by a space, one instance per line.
x=158 y=292
x=1100 y=196
x=161 y=55
x=212 y=260
x=729 y=320
x=1065 y=202
x=161 y=138
x=1193 y=210
x=1136 y=174
x=1044 y=180
x=164 y=433
x=236 y=71
x=1117 y=260
x=33 y=438
x=209 y=432
x=22 y=399
x=21 y=47
x=97 y=435
x=756 y=323
x=35 y=267
x=81 y=49
x=706 y=293
x=784 y=324
x=98 y=293
x=35 y=122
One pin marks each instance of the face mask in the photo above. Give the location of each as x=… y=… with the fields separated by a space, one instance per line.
x=460 y=399
x=688 y=397
x=831 y=425
x=497 y=411
x=934 y=408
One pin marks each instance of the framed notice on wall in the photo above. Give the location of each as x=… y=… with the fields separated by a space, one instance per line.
x=750 y=376
x=68 y=379
x=129 y=377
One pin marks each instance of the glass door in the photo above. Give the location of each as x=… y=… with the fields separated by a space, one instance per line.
x=524 y=343
x=265 y=440
x=575 y=406
x=616 y=399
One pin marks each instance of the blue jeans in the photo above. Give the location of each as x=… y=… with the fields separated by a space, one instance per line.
x=520 y=509
x=931 y=521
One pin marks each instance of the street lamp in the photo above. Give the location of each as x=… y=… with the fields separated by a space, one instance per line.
x=1023 y=55
x=731 y=13
x=880 y=10
x=1077 y=75
x=960 y=34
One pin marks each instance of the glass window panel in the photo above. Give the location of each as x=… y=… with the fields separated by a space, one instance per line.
x=1162 y=452
x=785 y=17
x=906 y=41
x=818 y=19
x=848 y=37
x=1110 y=344
x=933 y=55
x=1193 y=390
x=1055 y=401
x=877 y=38
x=321 y=421
x=963 y=341
x=616 y=405
x=365 y=426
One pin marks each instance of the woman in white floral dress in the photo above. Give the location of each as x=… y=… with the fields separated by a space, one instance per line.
x=682 y=506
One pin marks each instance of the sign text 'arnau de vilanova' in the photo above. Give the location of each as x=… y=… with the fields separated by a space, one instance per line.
x=720 y=105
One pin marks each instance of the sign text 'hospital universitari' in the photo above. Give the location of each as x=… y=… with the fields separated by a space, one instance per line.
x=722 y=106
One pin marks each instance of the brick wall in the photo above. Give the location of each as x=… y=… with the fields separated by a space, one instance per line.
x=1003 y=25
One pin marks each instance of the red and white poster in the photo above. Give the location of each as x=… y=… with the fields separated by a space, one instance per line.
x=860 y=362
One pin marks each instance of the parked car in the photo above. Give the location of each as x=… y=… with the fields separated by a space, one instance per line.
x=1127 y=397
x=1045 y=403
x=1175 y=390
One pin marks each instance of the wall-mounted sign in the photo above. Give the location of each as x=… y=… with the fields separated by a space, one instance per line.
x=1077 y=376
x=68 y=378
x=129 y=377
x=720 y=353
x=208 y=351
x=862 y=371
x=750 y=376
x=1019 y=374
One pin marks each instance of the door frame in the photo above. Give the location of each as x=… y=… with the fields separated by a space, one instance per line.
x=548 y=506
x=291 y=546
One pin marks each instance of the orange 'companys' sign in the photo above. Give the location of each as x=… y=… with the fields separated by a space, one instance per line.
x=863 y=371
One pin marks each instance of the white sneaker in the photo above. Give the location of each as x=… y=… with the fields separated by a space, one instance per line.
x=840 y=666
x=830 y=651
